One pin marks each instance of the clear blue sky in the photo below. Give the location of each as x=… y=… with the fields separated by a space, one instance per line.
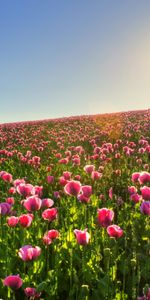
x=72 y=57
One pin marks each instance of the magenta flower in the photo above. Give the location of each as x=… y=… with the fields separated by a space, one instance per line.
x=32 y=203
x=114 y=231
x=86 y=190
x=28 y=253
x=95 y=175
x=5 y=208
x=105 y=216
x=145 y=191
x=135 y=198
x=25 y=189
x=37 y=190
x=135 y=176
x=111 y=193
x=31 y=292
x=50 y=236
x=25 y=220
x=83 y=198
x=82 y=237
x=144 y=177
x=50 y=179
x=72 y=188
x=7 y=177
x=12 y=221
x=13 y=281
x=89 y=168
x=67 y=175
x=50 y=214
x=46 y=203
x=132 y=190
x=145 y=207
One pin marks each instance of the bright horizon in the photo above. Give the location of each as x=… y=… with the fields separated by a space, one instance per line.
x=61 y=58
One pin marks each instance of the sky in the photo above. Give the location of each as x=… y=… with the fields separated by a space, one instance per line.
x=61 y=58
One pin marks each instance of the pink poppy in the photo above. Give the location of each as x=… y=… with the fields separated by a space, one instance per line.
x=25 y=220
x=82 y=237
x=50 y=214
x=32 y=203
x=105 y=216
x=144 y=177
x=72 y=188
x=145 y=191
x=13 y=281
x=12 y=221
x=145 y=207
x=135 y=176
x=114 y=231
x=46 y=203
x=32 y=292
x=28 y=253
x=25 y=189
x=89 y=168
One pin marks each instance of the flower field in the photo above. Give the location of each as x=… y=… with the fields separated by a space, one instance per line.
x=75 y=208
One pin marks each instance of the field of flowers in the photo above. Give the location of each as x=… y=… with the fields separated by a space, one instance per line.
x=75 y=208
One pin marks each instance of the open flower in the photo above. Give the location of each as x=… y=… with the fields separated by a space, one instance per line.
x=50 y=214
x=31 y=292
x=145 y=191
x=72 y=188
x=105 y=216
x=114 y=231
x=32 y=203
x=82 y=237
x=13 y=281
x=145 y=207
x=28 y=253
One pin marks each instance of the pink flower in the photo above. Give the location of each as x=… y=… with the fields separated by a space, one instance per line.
x=89 y=168
x=67 y=175
x=63 y=181
x=145 y=191
x=6 y=177
x=56 y=195
x=135 y=198
x=25 y=220
x=132 y=190
x=10 y=200
x=5 y=208
x=105 y=216
x=31 y=292
x=86 y=190
x=53 y=234
x=37 y=190
x=50 y=179
x=46 y=203
x=28 y=253
x=18 y=181
x=12 y=190
x=135 y=176
x=145 y=207
x=111 y=193
x=82 y=237
x=83 y=198
x=50 y=236
x=25 y=189
x=12 y=221
x=13 y=281
x=32 y=203
x=72 y=188
x=50 y=214
x=114 y=231
x=144 y=177
x=95 y=175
